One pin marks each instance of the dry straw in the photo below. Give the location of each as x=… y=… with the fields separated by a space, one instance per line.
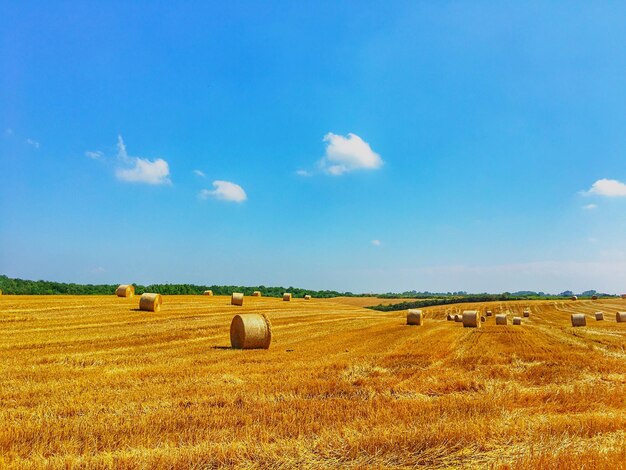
x=236 y=298
x=620 y=317
x=599 y=316
x=250 y=331
x=286 y=296
x=414 y=317
x=307 y=297
x=125 y=290
x=579 y=319
x=517 y=320
x=256 y=293
x=501 y=319
x=208 y=292
x=471 y=319
x=526 y=313
x=150 y=302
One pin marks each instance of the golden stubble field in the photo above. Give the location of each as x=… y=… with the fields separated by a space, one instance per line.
x=90 y=382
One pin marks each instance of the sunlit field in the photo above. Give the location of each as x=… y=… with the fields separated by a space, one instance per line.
x=92 y=382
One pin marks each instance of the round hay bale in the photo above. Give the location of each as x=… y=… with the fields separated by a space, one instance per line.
x=471 y=319
x=250 y=331
x=483 y=319
x=414 y=317
x=286 y=297
x=579 y=319
x=236 y=298
x=526 y=313
x=150 y=302
x=501 y=319
x=623 y=296
x=449 y=317
x=574 y=297
x=594 y=297
x=620 y=317
x=208 y=292
x=125 y=290
x=599 y=316
x=256 y=293
x=307 y=297
x=517 y=320
x=489 y=313
x=458 y=318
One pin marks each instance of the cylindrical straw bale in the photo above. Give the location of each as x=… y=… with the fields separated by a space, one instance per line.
x=286 y=297
x=471 y=319
x=599 y=316
x=256 y=293
x=236 y=298
x=125 y=290
x=594 y=297
x=501 y=319
x=517 y=320
x=250 y=331
x=150 y=302
x=526 y=313
x=414 y=317
x=574 y=297
x=307 y=297
x=450 y=317
x=620 y=317
x=579 y=319
x=458 y=318
x=489 y=313
x=208 y=292
x=483 y=319
x=623 y=296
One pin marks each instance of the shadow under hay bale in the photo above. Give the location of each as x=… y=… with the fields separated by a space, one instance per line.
x=150 y=302
x=250 y=331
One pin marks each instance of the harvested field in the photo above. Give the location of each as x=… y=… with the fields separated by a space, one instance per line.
x=92 y=382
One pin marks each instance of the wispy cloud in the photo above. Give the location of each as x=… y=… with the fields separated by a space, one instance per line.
x=32 y=143
x=304 y=173
x=140 y=170
x=199 y=173
x=607 y=188
x=95 y=155
x=376 y=242
x=224 y=191
x=349 y=153
x=590 y=207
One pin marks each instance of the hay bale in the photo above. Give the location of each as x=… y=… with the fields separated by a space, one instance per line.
x=599 y=316
x=620 y=317
x=579 y=319
x=256 y=293
x=594 y=297
x=526 y=313
x=236 y=298
x=574 y=297
x=125 y=290
x=501 y=319
x=623 y=296
x=471 y=319
x=208 y=292
x=250 y=331
x=286 y=297
x=482 y=319
x=414 y=317
x=517 y=320
x=150 y=302
x=489 y=313
x=449 y=317
x=307 y=297
x=458 y=318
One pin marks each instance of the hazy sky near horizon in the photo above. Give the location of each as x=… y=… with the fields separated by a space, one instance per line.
x=363 y=146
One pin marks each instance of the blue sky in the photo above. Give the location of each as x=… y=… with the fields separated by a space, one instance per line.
x=363 y=146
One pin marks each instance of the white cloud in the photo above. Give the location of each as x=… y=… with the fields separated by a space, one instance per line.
x=199 y=173
x=32 y=143
x=376 y=242
x=590 y=207
x=95 y=155
x=303 y=173
x=345 y=154
x=224 y=191
x=608 y=188
x=98 y=270
x=141 y=170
